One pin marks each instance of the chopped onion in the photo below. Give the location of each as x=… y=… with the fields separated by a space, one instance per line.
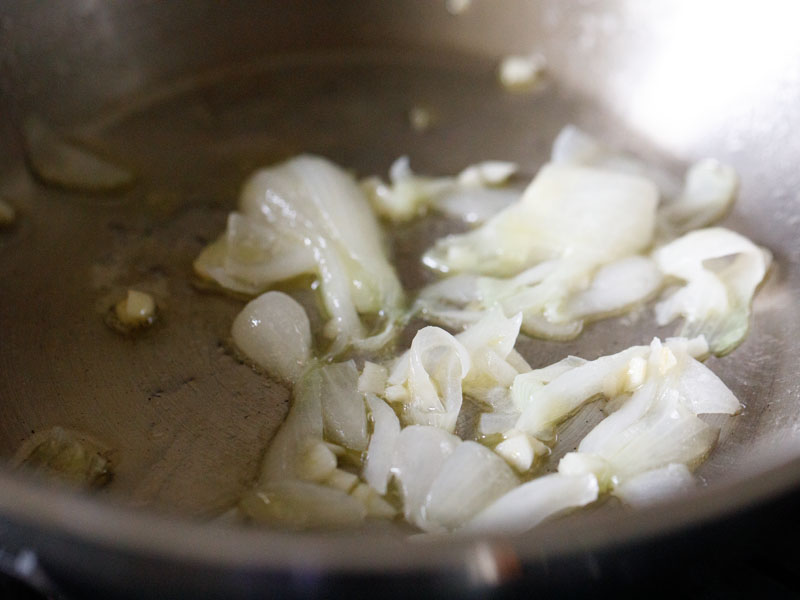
x=526 y=506
x=658 y=425
x=373 y=378
x=308 y=216
x=57 y=162
x=318 y=462
x=666 y=433
x=385 y=431
x=545 y=406
x=428 y=379
x=656 y=485
x=708 y=191
x=520 y=450
x=274 y=332
x=569 y=250
x=490 y=172
x=137 y=309
x=469 y=480
x=475 y=205
x=302 y=505
x=543 y=398
x=574 y=146
x=343 y=410
x=715 y=302
x=616 y=287
x=559 y=239
x=489 y=343
x=419 y=455
x=584 y=213
x=303 y=425
x=467 y=196
x=375 y=505
x=518 y=73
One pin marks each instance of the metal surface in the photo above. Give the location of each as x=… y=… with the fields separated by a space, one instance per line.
x=193 y=100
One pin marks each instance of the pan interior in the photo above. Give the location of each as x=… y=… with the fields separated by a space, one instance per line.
x=187 y=422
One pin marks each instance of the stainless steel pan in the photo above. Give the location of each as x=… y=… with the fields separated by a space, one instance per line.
x=193 y=96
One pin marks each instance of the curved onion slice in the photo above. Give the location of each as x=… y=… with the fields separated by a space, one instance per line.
x=274 y=332
x=427 y=379
x=708 y=191
x=658 y=425
x=385 y=431
x=546 y=397
x=419 y=454
x=470 y=479
x=489 y=343
x=616 y=287
x=57 y=162
x=656 y=485
x=302 y=505
x=587 y=214
x=573 y=146
x=666 y=433
x=307 y=216
x=531 y=503
x=343 y=411
x=303 y=426
x=467 y=196
x=722 y=271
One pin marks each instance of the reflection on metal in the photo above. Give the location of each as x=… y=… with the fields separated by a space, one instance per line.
x=493 y=563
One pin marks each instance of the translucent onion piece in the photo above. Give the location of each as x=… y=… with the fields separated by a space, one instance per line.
x=318 y=462
x=343 y=410
x=708 y=193
x=548 y=396
x=430 y=374
x=253 y=255
x=497 y=422
x=667 y=433
x=546 y=406
x=303 y=425
x=708 y=190
x=373 y=378
x=574 y=146
x=419 y=455
x=617 y=287
x=526 y=506
x=521 y=73
x=656 y=426
x=302 y=505
x=470 y=479
x=490 y=172
x=380 y=453
x=466 y=196
x=584 y=213
x=308 y=216
x=524 y=387
x=476 y=205
x=489 y=342
x=59 y=163
x=520 y=450
x=657 y=485
x=273 y=331
x=671 y=374
x=715 y=302
x=376 y=506
x=702 y=391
